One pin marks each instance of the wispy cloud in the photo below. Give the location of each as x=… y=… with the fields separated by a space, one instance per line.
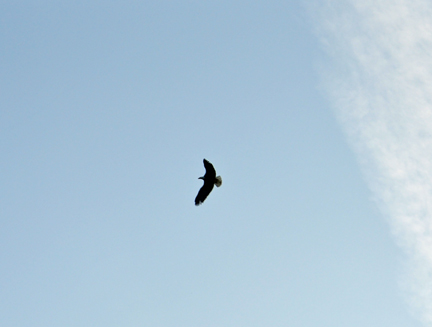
x=380 y=81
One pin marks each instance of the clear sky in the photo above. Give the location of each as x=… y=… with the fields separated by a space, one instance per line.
x=107 y=109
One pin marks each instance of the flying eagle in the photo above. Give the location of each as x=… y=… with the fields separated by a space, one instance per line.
x=210 y=179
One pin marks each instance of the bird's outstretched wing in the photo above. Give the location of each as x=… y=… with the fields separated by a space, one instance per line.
x=203 y=193
x=210 y=171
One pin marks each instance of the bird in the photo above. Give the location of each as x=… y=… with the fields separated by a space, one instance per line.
x=210 y=179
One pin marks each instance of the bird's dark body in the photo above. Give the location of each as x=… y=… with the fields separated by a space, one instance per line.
x=210 y=180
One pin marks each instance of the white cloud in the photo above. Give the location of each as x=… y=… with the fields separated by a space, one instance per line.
x=380 y=81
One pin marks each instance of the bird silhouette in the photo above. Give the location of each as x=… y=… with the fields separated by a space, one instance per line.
x=210 y=179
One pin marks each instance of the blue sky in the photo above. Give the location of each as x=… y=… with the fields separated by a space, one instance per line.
x=106 y=112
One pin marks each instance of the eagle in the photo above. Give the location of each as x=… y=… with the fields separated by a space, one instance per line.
x=210 y=179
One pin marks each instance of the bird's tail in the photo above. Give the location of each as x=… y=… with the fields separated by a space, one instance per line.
x=218 y=181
